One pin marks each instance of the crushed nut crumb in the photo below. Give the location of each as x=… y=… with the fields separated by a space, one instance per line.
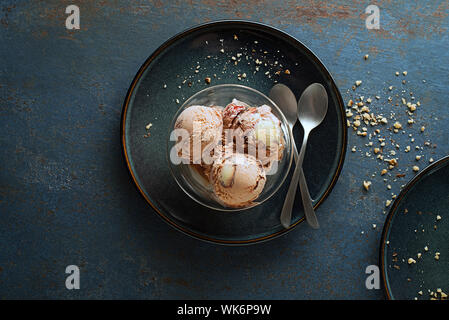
x=366 y=185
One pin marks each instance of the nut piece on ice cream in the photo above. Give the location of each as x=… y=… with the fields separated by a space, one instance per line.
x=204 y=127
x=237 y=179
x=267 y=132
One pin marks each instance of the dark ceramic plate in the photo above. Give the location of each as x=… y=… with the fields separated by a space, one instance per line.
x=177 y=70
x=411 y=226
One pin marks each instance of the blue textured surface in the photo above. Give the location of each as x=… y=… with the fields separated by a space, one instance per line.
x=65 y=194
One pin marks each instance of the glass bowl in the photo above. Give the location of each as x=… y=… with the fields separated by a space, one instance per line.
x=195 y=185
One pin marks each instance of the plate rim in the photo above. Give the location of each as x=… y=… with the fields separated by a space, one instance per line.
x=417 y=178
x=280 y=33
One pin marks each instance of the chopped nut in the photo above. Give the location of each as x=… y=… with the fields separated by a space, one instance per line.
x=423 y=128
x=358 y=83
x=227 y=175
x=207 y=80
x=404 y=73
x=418 y=158
x=287 y=71
x=393 y=162
x=438 y=217
x=387 y=203
x=397 y=125
x=366 y=56
x=366 y=185
x=411 y=260
x=364 y=109
x=384 y=171
x=415 y=168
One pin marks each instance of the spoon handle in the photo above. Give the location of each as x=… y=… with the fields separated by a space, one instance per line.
x=305 y=195
x=309 y=212
x=286 y=214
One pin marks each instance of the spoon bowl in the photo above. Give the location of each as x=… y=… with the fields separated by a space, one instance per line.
x=285 y=99
x=312 y=106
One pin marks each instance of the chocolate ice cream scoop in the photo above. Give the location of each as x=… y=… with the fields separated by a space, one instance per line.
x=257 y=131
x=237 y=179
x=204 y=127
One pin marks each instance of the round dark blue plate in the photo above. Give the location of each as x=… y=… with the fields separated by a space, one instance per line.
x=411 y=226
x=177 y=70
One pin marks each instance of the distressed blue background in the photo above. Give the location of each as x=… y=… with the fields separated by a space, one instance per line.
x=65 y=193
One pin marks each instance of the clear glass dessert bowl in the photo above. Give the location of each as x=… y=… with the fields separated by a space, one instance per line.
x=262 y=155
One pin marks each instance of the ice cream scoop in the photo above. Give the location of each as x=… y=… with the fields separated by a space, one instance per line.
x=204 y=127
x=231 y=112
x=237 y=179
x=257 y=129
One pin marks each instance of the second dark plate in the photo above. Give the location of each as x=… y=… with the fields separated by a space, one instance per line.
x=417 y=227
